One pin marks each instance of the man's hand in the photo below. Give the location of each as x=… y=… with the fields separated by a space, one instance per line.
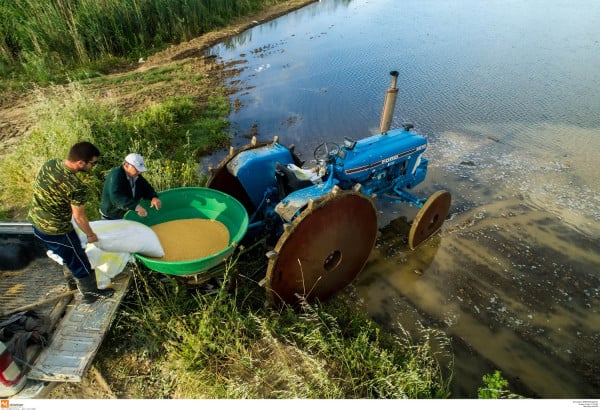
x=141 y=211
x=83 y=223
x=155 y=203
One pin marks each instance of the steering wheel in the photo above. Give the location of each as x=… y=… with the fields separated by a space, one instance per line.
x=326 y=151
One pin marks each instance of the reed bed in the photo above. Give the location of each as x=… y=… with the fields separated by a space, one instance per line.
x=42 y=40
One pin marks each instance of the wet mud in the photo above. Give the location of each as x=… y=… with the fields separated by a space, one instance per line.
x=516 y=285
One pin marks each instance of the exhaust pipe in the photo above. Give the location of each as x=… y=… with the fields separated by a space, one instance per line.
x=389 y=104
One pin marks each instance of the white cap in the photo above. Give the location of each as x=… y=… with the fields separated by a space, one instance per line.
x=137 y=161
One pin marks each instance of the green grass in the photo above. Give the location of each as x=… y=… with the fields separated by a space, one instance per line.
x=496 y=387
x=69 y=114
x=229 y=344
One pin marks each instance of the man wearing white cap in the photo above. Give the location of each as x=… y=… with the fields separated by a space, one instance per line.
x=125 y=187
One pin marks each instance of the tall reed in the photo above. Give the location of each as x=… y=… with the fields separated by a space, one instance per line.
x=45 y=38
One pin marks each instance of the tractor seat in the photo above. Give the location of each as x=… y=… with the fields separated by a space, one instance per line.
x=288 y=181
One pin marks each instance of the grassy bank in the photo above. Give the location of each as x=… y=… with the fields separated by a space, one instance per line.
x=171 y=135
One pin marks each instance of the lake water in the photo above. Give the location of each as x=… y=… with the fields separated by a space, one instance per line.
x=508 y=95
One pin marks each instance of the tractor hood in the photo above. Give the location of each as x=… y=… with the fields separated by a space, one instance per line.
x=371 y=155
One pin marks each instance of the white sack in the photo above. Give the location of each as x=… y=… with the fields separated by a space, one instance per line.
x=121 y=235
x=106 y=264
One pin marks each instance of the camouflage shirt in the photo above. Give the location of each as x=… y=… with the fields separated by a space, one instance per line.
x=55 y=189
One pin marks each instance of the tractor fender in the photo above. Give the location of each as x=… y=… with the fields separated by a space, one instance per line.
x=293 y=204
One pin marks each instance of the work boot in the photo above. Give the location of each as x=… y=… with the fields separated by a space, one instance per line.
x=89 y=288
x=69 y=278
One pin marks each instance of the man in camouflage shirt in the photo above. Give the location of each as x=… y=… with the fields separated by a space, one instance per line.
x=58 y=196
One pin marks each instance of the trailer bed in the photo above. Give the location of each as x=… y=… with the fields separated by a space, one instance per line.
x=78 y=336
x=76 y=329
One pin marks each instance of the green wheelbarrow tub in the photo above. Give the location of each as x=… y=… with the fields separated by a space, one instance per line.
x=188 y=203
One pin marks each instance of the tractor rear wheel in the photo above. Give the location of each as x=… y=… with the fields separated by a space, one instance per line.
x=323 y=249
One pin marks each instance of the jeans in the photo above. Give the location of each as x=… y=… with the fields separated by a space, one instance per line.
x=68 y=247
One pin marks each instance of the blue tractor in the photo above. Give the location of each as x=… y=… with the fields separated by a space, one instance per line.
x=320 y=223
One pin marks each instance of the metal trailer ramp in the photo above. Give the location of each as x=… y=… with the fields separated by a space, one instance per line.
x=78 y=336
